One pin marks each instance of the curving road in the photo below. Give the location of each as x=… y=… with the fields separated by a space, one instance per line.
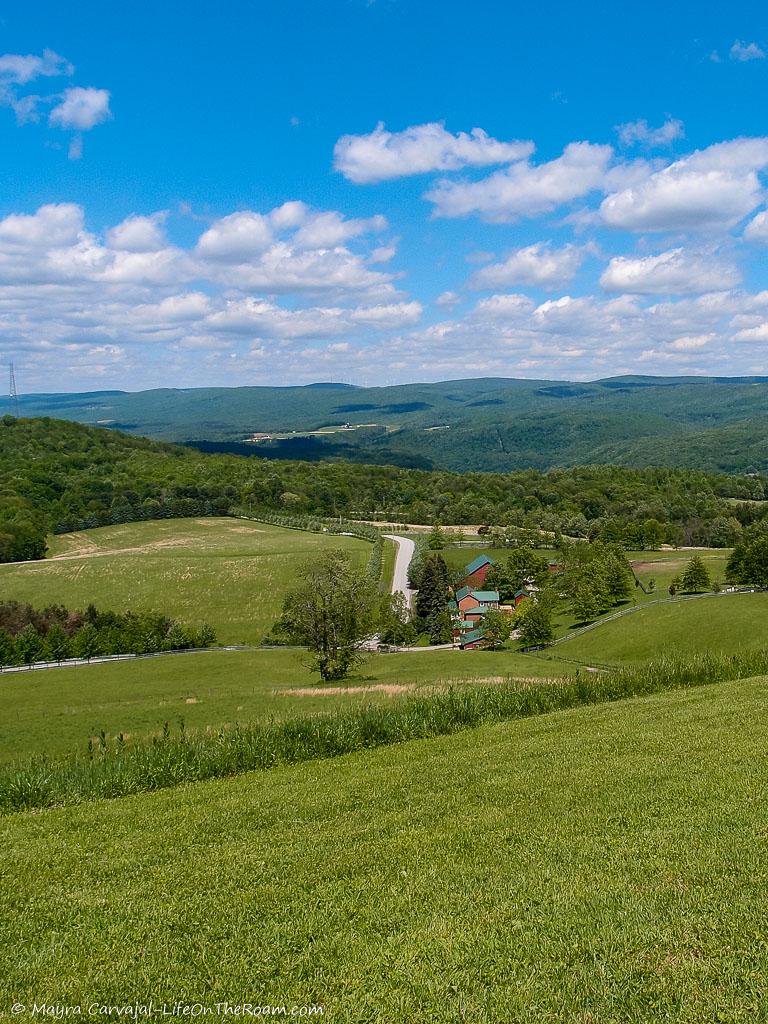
x=403 y=558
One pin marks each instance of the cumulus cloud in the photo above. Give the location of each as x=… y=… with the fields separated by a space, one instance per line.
x=69 y=295
x=714 y=188
x=743 y=52
x=24 y=69
x=525 y=189
x=640 y=132
x=51 y=227
x=383 y=155
x=674 y=272
x=77 y=109
x=540 y=265
x=294 y=248
x=448 y=298
x=757 y=229
x=235 y=237
x=81 y=109
x=139 y=234
x=583 y=337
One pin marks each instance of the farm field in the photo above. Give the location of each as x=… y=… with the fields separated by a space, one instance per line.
x=56 y=711
x=724 y=624
x=228 y=572
x=602 y=864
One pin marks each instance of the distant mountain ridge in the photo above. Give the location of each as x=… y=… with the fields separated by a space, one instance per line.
x=500 y=424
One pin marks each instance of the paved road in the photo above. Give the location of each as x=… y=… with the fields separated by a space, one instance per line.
x=403 y=558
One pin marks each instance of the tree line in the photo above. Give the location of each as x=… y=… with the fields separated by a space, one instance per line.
x=55 y=633
x=57 y=476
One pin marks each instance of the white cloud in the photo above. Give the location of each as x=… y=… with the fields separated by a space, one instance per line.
x=525 y=189
x=52 y=226
x=746 y=51
x=714 y=188
x=75 y=150
x=68 y=294
x=675 y=272
x=24 y=69
x=692 y=342
x=235 y=237
x=81 y=109
x=757 y=229
x=383 y=155
x=325 y=230
x=448 y=298
x=753 y=334
x=77 y=109
x=540 y=265
x=634 y=132
x=139 y=234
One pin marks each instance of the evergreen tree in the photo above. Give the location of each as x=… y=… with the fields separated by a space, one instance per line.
x=85 y=643
x=432 y=596
x=437 y=540
x=29 y=644
x=7 y=648
x=695 y=577
x=57 y=645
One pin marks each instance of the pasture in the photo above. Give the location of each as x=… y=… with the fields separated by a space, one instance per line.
x=228 y=572
x=723 y=624
x=56 y=711
x=604 y=864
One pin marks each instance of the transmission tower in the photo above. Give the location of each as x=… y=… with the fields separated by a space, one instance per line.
x=12 y=393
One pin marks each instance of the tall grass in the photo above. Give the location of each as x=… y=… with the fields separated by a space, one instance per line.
x=177 y=758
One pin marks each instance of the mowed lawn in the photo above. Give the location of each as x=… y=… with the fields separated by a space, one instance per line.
x=605 y=865
x=724 y=624
x=57 y=711
x=228 y=572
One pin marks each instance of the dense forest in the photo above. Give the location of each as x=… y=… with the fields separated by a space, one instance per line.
x=57 y=476
x=716 y=424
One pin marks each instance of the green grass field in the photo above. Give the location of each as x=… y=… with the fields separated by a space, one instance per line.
x=605 y=865
x=725 y=624
x=56 y=711
x=230 y=573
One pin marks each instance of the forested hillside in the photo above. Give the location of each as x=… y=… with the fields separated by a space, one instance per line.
x=717 y=424
x=57 y=476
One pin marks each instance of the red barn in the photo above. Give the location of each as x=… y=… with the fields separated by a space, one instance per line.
x=476 y=571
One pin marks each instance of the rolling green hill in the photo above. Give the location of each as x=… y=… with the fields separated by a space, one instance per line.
x=605 y=864
x=711 y=423
x=724 y=623
x=229 y=573
x=57 y=476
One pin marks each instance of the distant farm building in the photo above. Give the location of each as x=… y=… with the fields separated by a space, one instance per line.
x=477 y=570
x=467 y=611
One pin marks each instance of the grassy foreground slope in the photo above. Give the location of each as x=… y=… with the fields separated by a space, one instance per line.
x=599 y=865
x=56 y=712
x=230 y=573
x=722 y=624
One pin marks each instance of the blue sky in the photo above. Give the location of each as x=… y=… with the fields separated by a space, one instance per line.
x=192 y=197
